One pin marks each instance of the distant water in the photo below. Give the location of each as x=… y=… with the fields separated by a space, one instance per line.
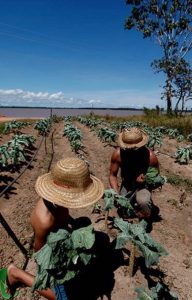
x=45 y=112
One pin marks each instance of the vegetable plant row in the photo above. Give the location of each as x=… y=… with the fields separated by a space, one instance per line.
x=74 y=136
x=14 y=126
x=182 y=155
x=13 y=153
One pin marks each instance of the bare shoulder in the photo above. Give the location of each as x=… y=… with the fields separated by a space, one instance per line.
x=40 y=219
x=116 y=157
x=153 y=159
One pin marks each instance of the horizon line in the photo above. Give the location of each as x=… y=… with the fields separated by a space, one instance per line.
x=86 y=107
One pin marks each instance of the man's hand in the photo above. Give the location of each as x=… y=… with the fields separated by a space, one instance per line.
x=140 y=178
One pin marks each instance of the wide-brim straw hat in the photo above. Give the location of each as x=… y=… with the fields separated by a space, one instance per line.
x=132 y=138
x=70 y=184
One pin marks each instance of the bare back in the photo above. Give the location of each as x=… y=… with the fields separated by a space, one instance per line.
x=44 y=220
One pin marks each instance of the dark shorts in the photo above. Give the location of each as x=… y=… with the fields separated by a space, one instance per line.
x=60 y=293
x=140 y=200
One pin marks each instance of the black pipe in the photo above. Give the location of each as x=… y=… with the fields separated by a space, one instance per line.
x=12 y=235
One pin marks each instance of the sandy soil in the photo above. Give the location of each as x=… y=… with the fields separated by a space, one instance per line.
x=7 y=119
x=110 y=278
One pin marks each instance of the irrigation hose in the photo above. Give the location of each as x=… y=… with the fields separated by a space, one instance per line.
x=13 y=236
x=52 y=148
x=26 y=167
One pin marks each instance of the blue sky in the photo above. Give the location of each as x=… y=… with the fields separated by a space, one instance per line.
x=74 y=53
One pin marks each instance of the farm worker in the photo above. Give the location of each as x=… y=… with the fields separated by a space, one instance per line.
x=133 y=158
x=68 y=185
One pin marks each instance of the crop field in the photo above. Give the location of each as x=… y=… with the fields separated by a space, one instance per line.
x=29 y=150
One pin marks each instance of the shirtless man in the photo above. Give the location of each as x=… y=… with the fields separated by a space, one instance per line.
x=69 y=185
x=133 y=158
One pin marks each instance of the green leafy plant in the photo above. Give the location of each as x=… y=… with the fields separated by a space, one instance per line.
x=22 y=140
x=63 y=257
x=89 y=122
x=4 y=155
x=67 y=118
x=159 y=292
x=13 y=153
x=183 y=155
x=136 y=233
x=17 y=155
x=76 y=145
x=160 y=129
x=14 y=126
x=107 y=135
x=154 y=139
x=74 y=135
x=189 y=137
x=173 y=133
x=113 y=199
x=97 y=209
x=180 y=138
x=153 y=179
x=43 y=126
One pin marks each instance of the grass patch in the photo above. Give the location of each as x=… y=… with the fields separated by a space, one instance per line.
x=182 y=123
x=177 y=180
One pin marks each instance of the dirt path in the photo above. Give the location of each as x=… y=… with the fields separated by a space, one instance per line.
x=173 y=231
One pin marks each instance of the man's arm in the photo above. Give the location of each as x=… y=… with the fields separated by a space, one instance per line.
x=114 y=168
x=153 y=160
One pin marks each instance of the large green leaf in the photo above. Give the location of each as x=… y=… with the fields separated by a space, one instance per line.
x=153 y=178
x=83 y=237
x=122 y=239
x=63 y=256
x=142 y=294
x=150 y=249
x=43 y=256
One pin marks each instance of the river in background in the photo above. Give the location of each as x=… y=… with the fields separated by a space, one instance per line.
x=35 y=112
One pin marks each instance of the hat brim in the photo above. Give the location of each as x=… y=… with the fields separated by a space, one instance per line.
x=144 y=141
x=67 y=197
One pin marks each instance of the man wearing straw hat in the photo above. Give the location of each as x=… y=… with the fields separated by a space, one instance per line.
x=68 y=185
x=133 y=158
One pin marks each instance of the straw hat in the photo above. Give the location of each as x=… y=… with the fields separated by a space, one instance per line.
x=70 y=184
x=132 y=138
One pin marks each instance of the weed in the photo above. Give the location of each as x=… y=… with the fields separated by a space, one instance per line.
x=179 y=181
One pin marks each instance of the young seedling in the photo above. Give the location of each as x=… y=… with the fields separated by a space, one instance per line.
x=136 y=233
x=113 y=200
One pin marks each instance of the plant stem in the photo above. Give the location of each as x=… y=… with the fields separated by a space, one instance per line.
x=106 y=219
x=132 y=259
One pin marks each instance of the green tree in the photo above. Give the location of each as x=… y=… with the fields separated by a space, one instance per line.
x=169 y=23
x=183 y=87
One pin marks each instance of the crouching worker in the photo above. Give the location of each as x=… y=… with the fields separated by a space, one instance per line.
x=133 y=158
x=68 y=185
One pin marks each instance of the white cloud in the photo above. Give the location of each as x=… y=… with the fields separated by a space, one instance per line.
x=108 y=98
